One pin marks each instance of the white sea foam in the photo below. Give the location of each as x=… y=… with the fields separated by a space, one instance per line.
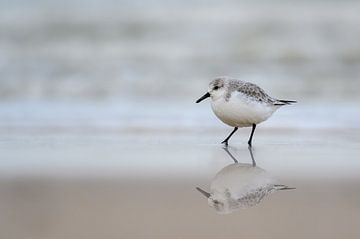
x=168 y=116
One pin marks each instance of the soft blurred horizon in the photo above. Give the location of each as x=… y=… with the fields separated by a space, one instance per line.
x=96 y=50
x=127 y=64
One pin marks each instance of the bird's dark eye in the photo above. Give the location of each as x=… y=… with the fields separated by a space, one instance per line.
x=216 y=87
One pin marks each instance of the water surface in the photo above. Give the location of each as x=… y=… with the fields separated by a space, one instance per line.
x=122 y=184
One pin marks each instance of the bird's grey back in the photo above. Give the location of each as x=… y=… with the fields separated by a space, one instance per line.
x=255 y=197
x=249 y=90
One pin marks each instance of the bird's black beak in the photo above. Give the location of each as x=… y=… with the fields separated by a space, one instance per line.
x=203 y=192
x=203 y=97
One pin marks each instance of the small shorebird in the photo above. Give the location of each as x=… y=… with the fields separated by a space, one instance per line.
x=241 y=104
x=240 y=186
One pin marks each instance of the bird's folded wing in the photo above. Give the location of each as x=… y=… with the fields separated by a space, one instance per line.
x=254 y=92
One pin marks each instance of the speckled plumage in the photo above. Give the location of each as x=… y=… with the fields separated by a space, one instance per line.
x=250 y=90
x=241 y=104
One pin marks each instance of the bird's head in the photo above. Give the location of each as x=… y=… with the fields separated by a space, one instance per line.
x=217 y=89
x=216 y=201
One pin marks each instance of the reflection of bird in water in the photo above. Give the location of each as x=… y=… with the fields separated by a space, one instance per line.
x=240 y=185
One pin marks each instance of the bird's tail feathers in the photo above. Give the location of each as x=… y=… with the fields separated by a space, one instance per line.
x=282 y=187
x=284 y=102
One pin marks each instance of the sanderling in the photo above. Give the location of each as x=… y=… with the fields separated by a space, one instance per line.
x=241 y=104
x=240 y=186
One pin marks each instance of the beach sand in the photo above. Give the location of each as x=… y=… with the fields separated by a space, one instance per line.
x=132 y=184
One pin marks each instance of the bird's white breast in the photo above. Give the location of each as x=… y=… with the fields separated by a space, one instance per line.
x=240 y=179
x=240 y=111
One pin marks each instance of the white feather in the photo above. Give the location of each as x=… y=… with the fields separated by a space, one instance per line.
x=241 y=111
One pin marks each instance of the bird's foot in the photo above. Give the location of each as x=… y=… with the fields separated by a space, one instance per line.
x=225 y=142
x=249 y=143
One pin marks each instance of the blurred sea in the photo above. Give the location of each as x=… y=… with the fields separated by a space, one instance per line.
x=142 y=64
x=156 y=49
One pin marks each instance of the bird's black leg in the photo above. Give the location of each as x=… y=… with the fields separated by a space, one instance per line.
x=252 y=157
x=227 y=138
x=252 y=133
x=231 y=156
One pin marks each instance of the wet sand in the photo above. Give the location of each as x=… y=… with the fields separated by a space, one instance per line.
x=142 y=185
